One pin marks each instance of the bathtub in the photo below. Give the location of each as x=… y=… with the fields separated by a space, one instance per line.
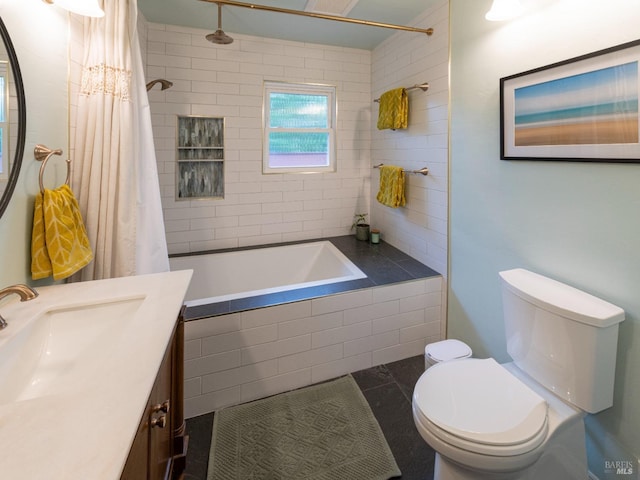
x=241 y=345
x=219 y=277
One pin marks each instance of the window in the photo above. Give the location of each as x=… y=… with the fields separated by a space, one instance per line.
x=299 y=128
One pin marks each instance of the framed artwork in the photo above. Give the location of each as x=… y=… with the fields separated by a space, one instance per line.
x=582 y=109
x=200 y=158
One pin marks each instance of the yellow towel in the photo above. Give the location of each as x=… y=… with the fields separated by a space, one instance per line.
x=394 y=109
x=391 y=191
x=59 y=243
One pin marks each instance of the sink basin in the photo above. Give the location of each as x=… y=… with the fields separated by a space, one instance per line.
x=59 y=348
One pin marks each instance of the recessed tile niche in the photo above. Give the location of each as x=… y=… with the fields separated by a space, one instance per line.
x=199 y=157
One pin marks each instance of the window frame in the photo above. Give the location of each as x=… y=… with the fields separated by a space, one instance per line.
x=300 y=88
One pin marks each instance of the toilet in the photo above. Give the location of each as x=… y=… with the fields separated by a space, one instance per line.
x=524 y=419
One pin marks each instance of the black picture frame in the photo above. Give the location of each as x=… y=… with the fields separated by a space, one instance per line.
x=581 y=109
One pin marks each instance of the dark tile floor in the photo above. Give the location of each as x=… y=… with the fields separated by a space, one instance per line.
x=387 y=388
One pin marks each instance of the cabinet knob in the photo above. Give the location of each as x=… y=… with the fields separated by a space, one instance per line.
x=160 y=421
x=161 y=407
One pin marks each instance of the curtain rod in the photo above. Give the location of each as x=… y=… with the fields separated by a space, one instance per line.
x=428 y=31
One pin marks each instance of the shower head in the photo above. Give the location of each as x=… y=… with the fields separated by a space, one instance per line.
x=219 y=36
x=164 y=84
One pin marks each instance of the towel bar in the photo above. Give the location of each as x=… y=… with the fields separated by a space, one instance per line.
x=423 y=86
x=423 y=170
x=43 y=154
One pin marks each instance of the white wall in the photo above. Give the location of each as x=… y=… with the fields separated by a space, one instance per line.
x=227 y=81
x=406 y=59
x=575 y=222
x=39 y=34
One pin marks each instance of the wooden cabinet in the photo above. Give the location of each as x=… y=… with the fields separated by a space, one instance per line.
x=159 y=448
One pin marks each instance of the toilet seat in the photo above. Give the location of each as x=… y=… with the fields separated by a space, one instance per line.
x=478 y=406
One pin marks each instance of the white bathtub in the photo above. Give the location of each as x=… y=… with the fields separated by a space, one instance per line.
x=218 y=277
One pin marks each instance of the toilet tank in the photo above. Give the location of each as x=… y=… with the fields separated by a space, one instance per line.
x=562 y=337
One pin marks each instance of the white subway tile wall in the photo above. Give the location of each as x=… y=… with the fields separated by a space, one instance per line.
x=243 y=356
x=226 y=80
x=405 y=59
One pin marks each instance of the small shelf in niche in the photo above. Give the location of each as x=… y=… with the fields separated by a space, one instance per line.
x=199 y=157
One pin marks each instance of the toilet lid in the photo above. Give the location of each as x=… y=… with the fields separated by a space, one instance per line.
x=480 y=401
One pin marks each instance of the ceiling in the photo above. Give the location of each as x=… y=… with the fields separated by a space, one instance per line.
x=202 y=14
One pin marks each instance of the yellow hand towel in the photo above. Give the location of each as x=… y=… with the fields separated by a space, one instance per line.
x=59 y=243
x=40 y=263
x=394 y=109
x=391 y=191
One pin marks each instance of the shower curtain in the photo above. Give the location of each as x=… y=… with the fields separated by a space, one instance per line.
x=116 y=173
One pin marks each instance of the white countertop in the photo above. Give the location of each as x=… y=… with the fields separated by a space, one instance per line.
x=85 y=431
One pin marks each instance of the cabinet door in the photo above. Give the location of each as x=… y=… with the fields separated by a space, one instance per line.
x=137 y=465
x=160 y=421
x=154 y=447
x=151 y=452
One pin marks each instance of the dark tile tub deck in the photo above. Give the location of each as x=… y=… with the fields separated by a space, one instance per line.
x=388 y=390
x=382 y=263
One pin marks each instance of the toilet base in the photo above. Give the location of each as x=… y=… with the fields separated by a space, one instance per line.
x=564 y=457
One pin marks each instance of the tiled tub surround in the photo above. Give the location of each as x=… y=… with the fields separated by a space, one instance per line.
x=250 y=348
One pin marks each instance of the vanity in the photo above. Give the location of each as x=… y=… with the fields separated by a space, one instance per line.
x=90 y=372
x=91 y=380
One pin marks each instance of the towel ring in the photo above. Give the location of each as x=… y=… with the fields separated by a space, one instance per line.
x=43 y=154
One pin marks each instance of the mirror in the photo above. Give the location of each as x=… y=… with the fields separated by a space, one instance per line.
x=13 y=119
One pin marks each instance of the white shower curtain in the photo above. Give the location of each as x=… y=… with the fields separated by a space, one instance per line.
x=116 y=174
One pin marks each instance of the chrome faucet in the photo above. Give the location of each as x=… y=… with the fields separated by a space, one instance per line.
x=25 y=292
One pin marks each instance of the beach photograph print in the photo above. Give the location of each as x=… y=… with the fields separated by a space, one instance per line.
x=583 y=109
x=599 y=107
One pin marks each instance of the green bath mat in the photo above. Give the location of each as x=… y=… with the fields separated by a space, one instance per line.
x=322 y=432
